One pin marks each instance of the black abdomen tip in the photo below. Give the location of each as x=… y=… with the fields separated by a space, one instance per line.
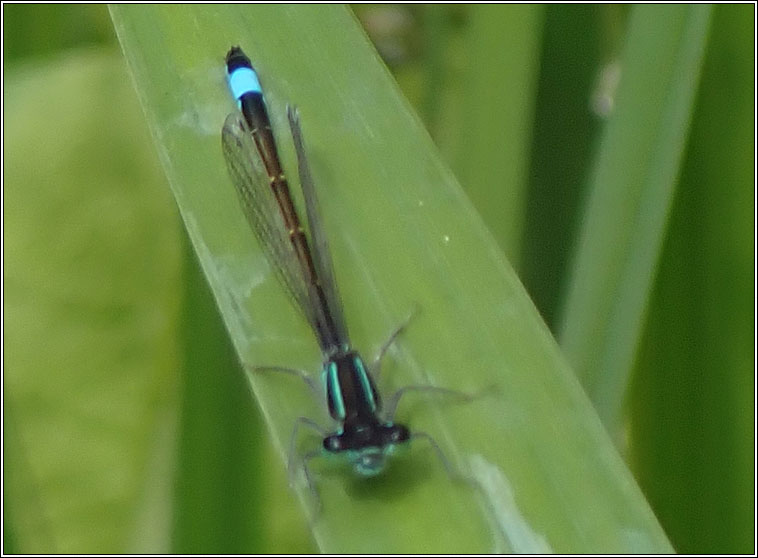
x=235 y=58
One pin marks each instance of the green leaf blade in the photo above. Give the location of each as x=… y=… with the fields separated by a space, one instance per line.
x=403 y=235
x=631 y=190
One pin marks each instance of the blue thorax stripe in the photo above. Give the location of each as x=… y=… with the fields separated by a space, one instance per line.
x=365 y=383
x=335 y=392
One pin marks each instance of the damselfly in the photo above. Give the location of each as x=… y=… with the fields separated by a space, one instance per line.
x=367 y=433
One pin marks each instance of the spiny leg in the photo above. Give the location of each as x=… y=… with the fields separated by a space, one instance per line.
x=291 y=451
x=451 y=471
x=309 y=481
x=394 y=399
x=376 y=365
x=302 y=374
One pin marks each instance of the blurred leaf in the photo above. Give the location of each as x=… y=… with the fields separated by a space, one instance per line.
x=217 y=501
x=693 y=398
x=632 y=184
x=402 y=234
x=35 y=30
x=564 y=134
x=90 y=268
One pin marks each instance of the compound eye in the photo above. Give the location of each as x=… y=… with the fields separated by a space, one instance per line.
x=398 y=434
x=332 y=444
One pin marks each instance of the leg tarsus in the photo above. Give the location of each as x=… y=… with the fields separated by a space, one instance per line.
x=316 y=510
x=394 y=399
x=376 y=365
x=291 y=449
x=302 y=374
x=452 y=471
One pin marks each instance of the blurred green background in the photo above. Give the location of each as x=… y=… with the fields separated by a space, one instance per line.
x=106 y=381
